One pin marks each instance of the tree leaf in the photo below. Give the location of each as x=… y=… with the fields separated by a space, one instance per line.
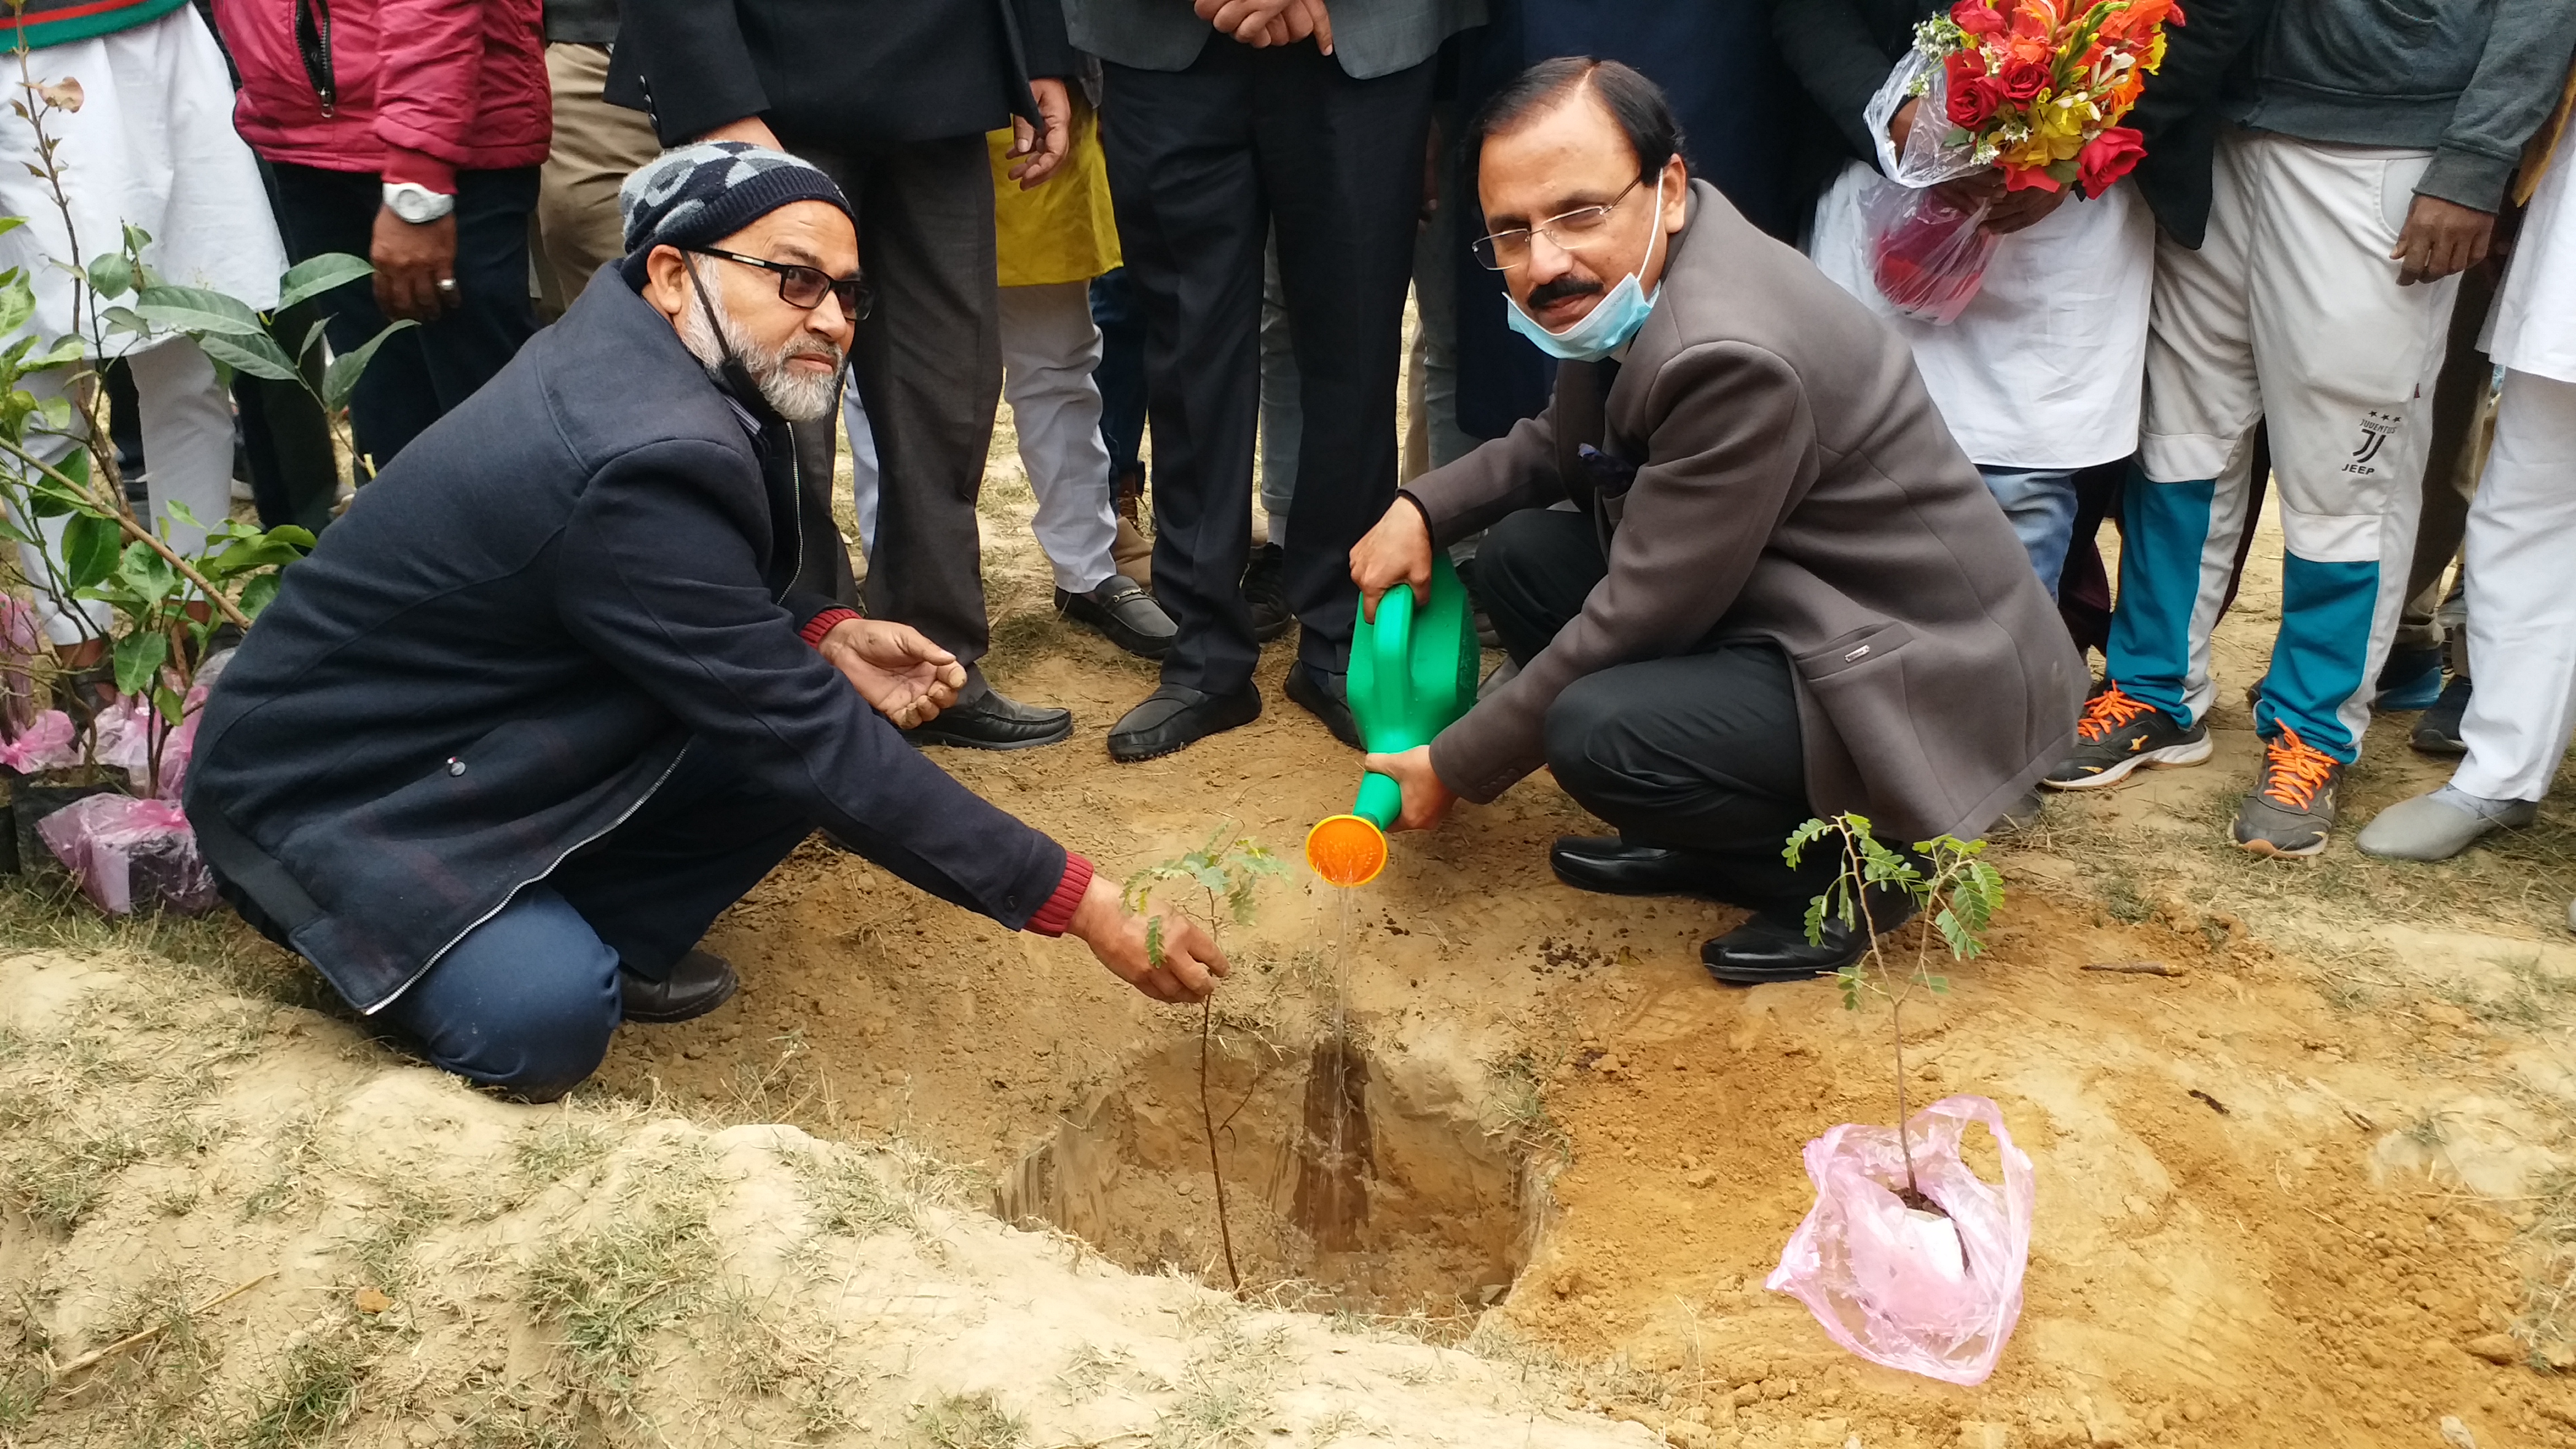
x=258 y=594
x=111 y=275
x=312 y=335
x=147 y=574
x=257 y=354
x=197 y=312
x=1154 y=941
x=138 y=658
x=313 y=276
x=17 y=300
x=89 y=549
x=341 y=378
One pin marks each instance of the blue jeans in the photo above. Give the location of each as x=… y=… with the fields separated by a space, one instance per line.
x=2039 y=503
x=527 y=1001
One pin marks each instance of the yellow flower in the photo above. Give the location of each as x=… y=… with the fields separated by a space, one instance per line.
x=2058 y=126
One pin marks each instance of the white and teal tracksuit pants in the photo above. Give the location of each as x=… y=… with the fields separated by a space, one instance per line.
x=2289 y=312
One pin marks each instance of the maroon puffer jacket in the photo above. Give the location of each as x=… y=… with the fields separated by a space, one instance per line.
x=414 y=89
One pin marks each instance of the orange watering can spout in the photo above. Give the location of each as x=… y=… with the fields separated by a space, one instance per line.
x=1346 y=850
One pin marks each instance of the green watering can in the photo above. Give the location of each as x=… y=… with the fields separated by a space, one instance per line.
x=1413 y=673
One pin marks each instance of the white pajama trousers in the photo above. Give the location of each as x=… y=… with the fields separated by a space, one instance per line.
x=2289 y=313
x=1050 y=347
x=2522 y=610
x=187 y=422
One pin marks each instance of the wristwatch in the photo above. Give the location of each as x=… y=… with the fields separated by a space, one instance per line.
x=416 y=203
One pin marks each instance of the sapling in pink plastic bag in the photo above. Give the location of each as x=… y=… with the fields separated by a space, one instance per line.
x=1908 y=1258
x=131 y=855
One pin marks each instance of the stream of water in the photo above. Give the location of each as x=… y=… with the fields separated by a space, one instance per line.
x=1334 y=1167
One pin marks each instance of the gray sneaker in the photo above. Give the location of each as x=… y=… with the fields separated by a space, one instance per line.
x=2119 y=734
x=2439 y=825
x=2293 y=811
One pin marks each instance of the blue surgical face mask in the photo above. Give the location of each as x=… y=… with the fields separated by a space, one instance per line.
x=1611 y=322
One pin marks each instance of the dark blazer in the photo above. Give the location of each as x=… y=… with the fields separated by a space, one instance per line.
x=504 y=647
x=1844 y=49
x=1792 y=483
x=838 y=75
x=1370 y=37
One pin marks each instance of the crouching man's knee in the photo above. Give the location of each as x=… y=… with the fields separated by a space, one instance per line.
x=525 y=1003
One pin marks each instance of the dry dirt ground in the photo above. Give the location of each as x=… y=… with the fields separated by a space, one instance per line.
x=2317 y=1186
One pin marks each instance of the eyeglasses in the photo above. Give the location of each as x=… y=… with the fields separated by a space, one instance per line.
x=804 y=286
x=1571 y=231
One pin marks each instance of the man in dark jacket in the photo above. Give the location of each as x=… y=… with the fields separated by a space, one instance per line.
x=892 y=99
x=1783 y=591
x=561 y=687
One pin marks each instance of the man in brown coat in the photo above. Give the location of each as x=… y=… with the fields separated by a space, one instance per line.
x=1780 y=590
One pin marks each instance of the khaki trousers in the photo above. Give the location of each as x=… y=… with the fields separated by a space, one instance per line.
x=595 y=146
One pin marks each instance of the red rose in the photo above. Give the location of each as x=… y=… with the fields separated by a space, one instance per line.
x=2024 y=79
x=1976 y=17
x=1974 y=101
x=2108 y=157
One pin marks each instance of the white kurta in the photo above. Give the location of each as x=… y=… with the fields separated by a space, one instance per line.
x=2046 y=366
x=152 y=145
x=2535 y=324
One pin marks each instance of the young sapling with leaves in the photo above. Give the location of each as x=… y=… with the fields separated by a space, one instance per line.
x=1946 y=879
x=1222 y=876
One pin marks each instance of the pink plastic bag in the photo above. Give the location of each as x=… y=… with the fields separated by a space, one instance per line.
x=1927 y=256
x=48 y=743
x=131 y=854
x=1908 y=1289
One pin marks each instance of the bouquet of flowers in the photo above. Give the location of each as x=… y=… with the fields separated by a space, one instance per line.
x=2036 y=90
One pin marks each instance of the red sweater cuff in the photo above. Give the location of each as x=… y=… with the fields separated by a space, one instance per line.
x=419 y=168
x=822 y=624
x=1057 y=913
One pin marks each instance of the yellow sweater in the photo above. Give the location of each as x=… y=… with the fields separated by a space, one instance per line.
x=1063 y=230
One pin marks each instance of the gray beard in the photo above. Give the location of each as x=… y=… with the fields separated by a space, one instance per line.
x=796 y=396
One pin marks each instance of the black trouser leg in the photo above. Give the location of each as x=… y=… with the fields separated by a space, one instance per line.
x=1201 y=162
x=1699 y=752
x=652 y=886
x=420 y=373
x=1191 y=224
x=928 y=365
x=293 y=475
x=1341 y=160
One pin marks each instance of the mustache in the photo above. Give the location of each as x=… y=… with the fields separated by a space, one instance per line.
x=1548 y=294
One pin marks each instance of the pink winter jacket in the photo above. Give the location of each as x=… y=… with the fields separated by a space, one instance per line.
x=419 y=89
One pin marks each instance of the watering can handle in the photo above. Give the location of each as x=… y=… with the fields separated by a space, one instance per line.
x=1391 y=638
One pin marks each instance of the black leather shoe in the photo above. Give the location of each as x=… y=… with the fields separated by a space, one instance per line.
x=1177 y=715
x=1124 y=614
x=1326 y=702
x=698 y=983
x=1611 y=866
x=1772 y=946
x=1265 y=588
x=995 y=721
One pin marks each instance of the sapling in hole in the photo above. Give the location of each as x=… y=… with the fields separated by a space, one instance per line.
x=1947 y=880
x=1222 y=876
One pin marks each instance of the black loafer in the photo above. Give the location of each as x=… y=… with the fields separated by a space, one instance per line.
x=1175 y=716
x=1265 y=588
x=1124 y=614
x=1612 y=867
x=698 y=983
x=994 y=721
x=1772 y=946
x=1326 y=702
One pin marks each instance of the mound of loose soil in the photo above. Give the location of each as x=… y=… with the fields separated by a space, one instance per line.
x=418 y=1264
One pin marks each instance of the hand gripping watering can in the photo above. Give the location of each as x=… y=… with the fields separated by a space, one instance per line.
x=1413 y=673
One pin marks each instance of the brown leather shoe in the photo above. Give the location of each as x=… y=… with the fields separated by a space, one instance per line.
x=698 y=983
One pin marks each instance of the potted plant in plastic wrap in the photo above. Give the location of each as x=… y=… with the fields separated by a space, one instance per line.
x=95 y=734
x=1908 y=1258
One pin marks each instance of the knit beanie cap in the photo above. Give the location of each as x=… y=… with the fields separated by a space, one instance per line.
x=693 y=195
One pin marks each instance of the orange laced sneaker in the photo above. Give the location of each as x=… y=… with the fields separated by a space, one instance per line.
x=2292 y=812
x=2119 y=733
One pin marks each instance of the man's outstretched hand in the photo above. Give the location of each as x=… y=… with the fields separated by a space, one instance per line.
x=1426 y=797
x=1191 y=962
x=901 y=674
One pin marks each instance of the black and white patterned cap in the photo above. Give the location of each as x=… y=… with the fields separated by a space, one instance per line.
x=700 y=193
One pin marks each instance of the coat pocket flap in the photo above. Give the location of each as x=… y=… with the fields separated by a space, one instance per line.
x=1853 y=649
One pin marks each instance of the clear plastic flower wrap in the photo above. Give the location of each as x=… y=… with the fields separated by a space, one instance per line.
x=1927 y=255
